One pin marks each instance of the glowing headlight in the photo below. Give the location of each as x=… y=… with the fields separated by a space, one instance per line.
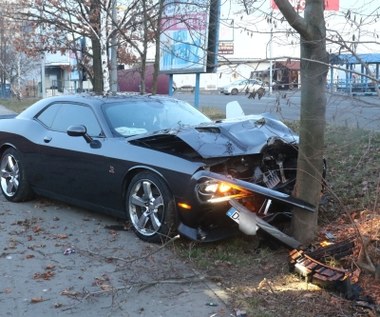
x=211 y=187
x=217 y=187
x=215 y=191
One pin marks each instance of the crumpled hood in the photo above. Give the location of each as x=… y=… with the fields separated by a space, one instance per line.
x=242 y=136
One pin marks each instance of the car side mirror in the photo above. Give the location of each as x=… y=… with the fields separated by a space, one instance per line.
x=81 y=130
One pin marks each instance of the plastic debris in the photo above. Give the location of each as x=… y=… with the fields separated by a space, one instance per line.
x=241 y=313
x=69 y=251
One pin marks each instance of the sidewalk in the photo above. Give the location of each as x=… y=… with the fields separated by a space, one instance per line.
x=56 y=260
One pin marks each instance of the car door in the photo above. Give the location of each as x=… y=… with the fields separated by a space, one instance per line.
x=70 y=168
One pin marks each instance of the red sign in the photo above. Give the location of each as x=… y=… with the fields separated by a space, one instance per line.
x=299 y=5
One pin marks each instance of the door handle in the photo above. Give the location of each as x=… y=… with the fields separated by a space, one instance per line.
x=47 y=139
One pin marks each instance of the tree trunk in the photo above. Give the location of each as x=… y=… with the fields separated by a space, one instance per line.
x=103 y=40
x=144 y=50
x=97 y=81
x=314 y=68
x=157 y=54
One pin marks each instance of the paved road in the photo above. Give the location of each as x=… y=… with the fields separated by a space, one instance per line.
x=360 y=111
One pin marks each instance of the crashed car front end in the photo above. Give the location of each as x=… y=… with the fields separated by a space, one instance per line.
x=250 y=160
x=259 y=159
x=261 y=182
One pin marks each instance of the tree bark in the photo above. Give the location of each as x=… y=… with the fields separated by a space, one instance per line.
x=97 y=80
x=156 y=66
x=314 y=68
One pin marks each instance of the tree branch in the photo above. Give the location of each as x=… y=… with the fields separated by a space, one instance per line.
x=293 y=18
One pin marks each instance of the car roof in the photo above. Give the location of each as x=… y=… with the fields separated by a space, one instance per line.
x=94 y=100
x=107 y=98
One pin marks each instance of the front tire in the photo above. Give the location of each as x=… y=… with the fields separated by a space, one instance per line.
x=13 y=182
x=151 y=208
x=234 y=91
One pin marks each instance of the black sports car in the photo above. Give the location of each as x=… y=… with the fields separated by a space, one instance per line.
x=155 y=160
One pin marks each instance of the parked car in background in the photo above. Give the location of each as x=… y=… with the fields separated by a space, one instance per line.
x=242 y=86
x=154 y=160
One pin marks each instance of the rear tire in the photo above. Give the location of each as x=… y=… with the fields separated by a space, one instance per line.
x=13 y=181
x=150 y=208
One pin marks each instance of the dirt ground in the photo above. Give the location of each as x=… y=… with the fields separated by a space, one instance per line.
x=264 y=286
x=61 y=261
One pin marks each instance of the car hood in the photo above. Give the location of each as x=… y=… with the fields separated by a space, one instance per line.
x=242 y=136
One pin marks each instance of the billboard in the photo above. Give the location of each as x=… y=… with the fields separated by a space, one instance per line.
x=299 y=5
x=185 y=36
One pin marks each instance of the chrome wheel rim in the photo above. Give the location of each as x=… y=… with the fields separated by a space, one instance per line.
x=10 y=175
x=146 y=207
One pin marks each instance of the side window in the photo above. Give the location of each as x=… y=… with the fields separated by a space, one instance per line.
x=60 y=116
x=48 y=115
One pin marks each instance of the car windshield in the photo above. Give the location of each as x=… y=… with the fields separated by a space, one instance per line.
x=239 y=82
x=133 y=117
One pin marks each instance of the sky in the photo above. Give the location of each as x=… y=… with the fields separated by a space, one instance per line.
x=251 y=36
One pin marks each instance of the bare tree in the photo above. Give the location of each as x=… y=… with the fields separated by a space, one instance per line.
x=138 y=32
x=60 y=24
x=14 y=64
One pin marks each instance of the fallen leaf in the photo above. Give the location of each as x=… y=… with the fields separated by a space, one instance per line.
x=36 y=300
x=105 y=287
x=61 y=236
x=43 y=276
x=50 y=267
x=7 y=290
x=70 y=293
x=37 y=229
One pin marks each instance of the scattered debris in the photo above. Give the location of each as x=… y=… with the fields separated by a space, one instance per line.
x=241 y=313
x=43 y=276
x=47 y=275
x=69 y=251
x=36 y=300
x=314 y=271
x=70 y=293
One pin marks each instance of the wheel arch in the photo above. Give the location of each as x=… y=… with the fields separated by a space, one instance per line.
x=139 y=169
x=234 y=91
x=5 y=147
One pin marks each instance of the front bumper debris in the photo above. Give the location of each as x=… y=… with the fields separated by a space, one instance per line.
x=248 y=221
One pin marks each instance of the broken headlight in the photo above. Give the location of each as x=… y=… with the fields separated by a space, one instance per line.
x=216 y=191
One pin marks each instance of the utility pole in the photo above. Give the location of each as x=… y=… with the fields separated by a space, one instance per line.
x=43 y=88
x=270 y=54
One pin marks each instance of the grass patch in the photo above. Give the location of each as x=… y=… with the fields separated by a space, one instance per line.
x=353 y=166
x=213 y=113
x=239 y=252
x=17 y=105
